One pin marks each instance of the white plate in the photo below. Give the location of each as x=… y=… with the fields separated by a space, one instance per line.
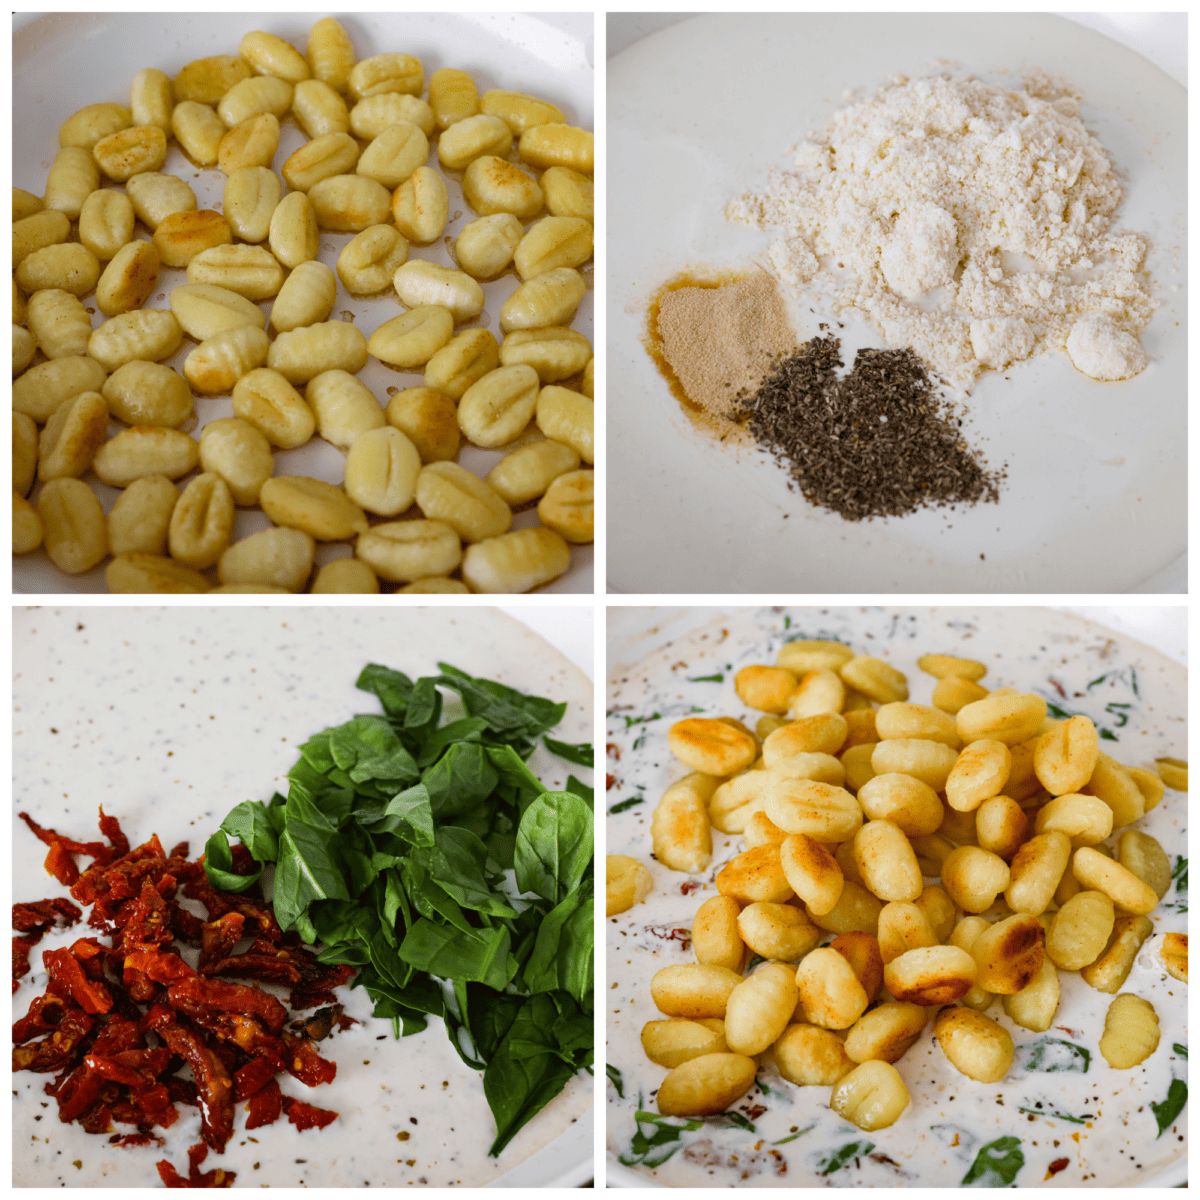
x=1095 y=498
x=63 y=61
x=171 y=716
x=660 y=664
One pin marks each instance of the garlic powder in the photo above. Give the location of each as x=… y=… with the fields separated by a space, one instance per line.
x=974 y=221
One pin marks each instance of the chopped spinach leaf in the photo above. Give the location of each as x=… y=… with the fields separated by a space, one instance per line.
x=1037 y=1112
x=630 y=722
x=581 y=753
x=616 y=1079
x=794 y=1136
x=1054 y=1054
x=622 y=805
x=654 y=1148
x=707 y=679
x=844 y=1156
x=1165 y=1111
x=996 y=1165
x=1180 y=1050
x=554 y=845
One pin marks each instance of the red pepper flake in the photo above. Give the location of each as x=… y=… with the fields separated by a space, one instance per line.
x=609 y=781
x=613 y=749
x=756 y=1111
x=1059 y=1164
x=689 y=886
x=683 y=936
x=1058 y=687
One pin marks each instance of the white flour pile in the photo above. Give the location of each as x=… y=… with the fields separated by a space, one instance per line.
x=976 y=222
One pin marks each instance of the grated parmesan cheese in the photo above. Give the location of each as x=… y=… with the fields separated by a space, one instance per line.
x=974 y=220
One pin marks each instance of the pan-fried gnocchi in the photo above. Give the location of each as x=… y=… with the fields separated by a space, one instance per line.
x=256 y=318
x=778 y=853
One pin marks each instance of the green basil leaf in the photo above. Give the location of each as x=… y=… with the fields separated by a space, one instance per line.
x=996 y=1165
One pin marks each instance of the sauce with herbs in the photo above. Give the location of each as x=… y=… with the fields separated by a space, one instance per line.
x=955 y=1131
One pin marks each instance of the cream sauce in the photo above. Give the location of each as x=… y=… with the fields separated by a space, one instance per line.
x=1113 y=1141
x=171 y=716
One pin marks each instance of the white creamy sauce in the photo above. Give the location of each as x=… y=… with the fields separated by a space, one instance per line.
x=1114 y=1140
x=170 y=717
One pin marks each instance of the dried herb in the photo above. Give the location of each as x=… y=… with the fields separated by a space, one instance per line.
x=879 y=442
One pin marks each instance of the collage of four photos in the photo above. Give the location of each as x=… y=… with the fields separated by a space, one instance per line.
x=831 y=469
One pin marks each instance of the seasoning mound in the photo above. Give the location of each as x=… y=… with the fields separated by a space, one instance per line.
x=714 y=340
x=879 y=442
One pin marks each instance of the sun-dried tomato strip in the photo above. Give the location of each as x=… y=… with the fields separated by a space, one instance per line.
x=265 y=1107
x=182 y=1091
x=21 y=949
x=306 y=1064
x=50 y=837
x=135 y=1139
x=195 y=996
x=219 y=938
x=145 y=920
x=269 y=968
x=134 y=1068
x=236 y=1035
x=57 y=1051
x=61 y=865
x=213 y=1084
x=160 y=965
x=111 y=828
x=253 y=1077
x=41 y=914
x=45 y=1013
x=120 y=879
x=67 y=979
x=307 y=1116
x=216 y=1178
x=96 y=1029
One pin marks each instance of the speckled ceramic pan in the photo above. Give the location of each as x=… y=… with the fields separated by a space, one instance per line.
x=1061 y=1117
